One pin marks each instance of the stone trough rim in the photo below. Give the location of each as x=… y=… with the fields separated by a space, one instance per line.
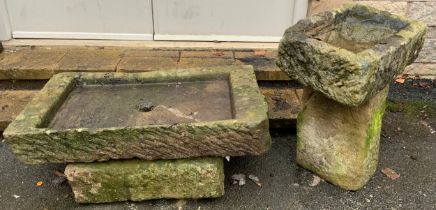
x=252 y=112
x=368 y=56
x=412 y=25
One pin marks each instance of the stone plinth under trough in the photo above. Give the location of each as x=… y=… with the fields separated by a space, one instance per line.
x=351 y=53
x=338 y=142
x=136 y=180
x=346 y=58
x=171 y=114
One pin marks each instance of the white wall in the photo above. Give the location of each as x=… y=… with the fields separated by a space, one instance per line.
x=87 y=19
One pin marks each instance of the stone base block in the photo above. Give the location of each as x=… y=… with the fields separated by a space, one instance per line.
x=138 y=180
x=338 y=142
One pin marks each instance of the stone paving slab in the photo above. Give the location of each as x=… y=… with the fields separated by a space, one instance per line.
x=185 y=63
x=263 y=62
x=422 y=70
x=265 y=68
x=206 y=54
x=423 y=11
x=138 y=180
x=256 y=53
x=431 y=32
x=11 y=104
x=14 y=64
x=43 y=62
x=13 y=97
x=89 y=60
x=137 y=64
x=397 y=7
x=29 y=63
x=152 y=53
x=428 y=52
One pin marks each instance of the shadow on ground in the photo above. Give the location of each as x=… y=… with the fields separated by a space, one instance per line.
x=408 y=146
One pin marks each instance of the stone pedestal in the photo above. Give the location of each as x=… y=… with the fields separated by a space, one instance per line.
x=348 y=56
x=340 y=143
x=138 y=180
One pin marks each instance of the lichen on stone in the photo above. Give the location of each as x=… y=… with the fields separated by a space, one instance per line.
x=351 y=53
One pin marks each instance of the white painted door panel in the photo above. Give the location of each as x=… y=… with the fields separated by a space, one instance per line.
x=225 y=20
x=81 y=19
x=5 y=27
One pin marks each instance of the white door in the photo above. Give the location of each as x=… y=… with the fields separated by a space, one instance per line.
x=81 y=19
x=225 y=20
x=195 y=20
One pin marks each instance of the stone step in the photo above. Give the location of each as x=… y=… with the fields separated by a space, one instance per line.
x=284 y=102
x=35 y=63
x=13 y=97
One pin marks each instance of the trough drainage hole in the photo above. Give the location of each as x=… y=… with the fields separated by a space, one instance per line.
x=145 y=106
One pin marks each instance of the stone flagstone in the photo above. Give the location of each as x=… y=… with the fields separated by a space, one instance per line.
x=138 y=180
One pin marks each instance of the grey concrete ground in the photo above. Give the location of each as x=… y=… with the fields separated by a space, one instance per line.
x=408 y=146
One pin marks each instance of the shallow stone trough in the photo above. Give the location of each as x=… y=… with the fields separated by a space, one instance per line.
x=346 y=58
x=171 y=129
x=351 y=53
x=86 y=117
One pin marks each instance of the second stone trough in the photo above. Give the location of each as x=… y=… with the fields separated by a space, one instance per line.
x=346 y=58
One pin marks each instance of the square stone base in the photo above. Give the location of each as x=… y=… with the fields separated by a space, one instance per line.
x=338 y=142
x=138 y=180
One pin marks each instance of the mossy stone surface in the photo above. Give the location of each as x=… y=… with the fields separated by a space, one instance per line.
x=246 y=133
x=351 y=53
x=338 y=142
x=138 y=180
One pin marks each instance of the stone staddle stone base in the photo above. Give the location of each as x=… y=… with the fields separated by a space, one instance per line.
x=138 y=180
x=338 y=142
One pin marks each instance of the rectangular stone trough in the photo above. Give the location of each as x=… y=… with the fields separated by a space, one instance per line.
x=172 y=114
x=350 y=54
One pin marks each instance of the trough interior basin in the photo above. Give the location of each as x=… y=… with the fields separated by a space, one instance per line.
x=119 y=105
x=357 y=30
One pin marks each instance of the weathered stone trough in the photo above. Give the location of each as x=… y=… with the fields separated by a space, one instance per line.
x=346 y=58
x=171 y=128
x=350 y=54
x=173 y=114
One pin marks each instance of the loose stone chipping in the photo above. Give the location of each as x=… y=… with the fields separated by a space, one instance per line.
x=245 y=133
x=338 y=142
x=138 y=180
x=351 y=53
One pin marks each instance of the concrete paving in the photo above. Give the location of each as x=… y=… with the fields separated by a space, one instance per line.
x=407 y=147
